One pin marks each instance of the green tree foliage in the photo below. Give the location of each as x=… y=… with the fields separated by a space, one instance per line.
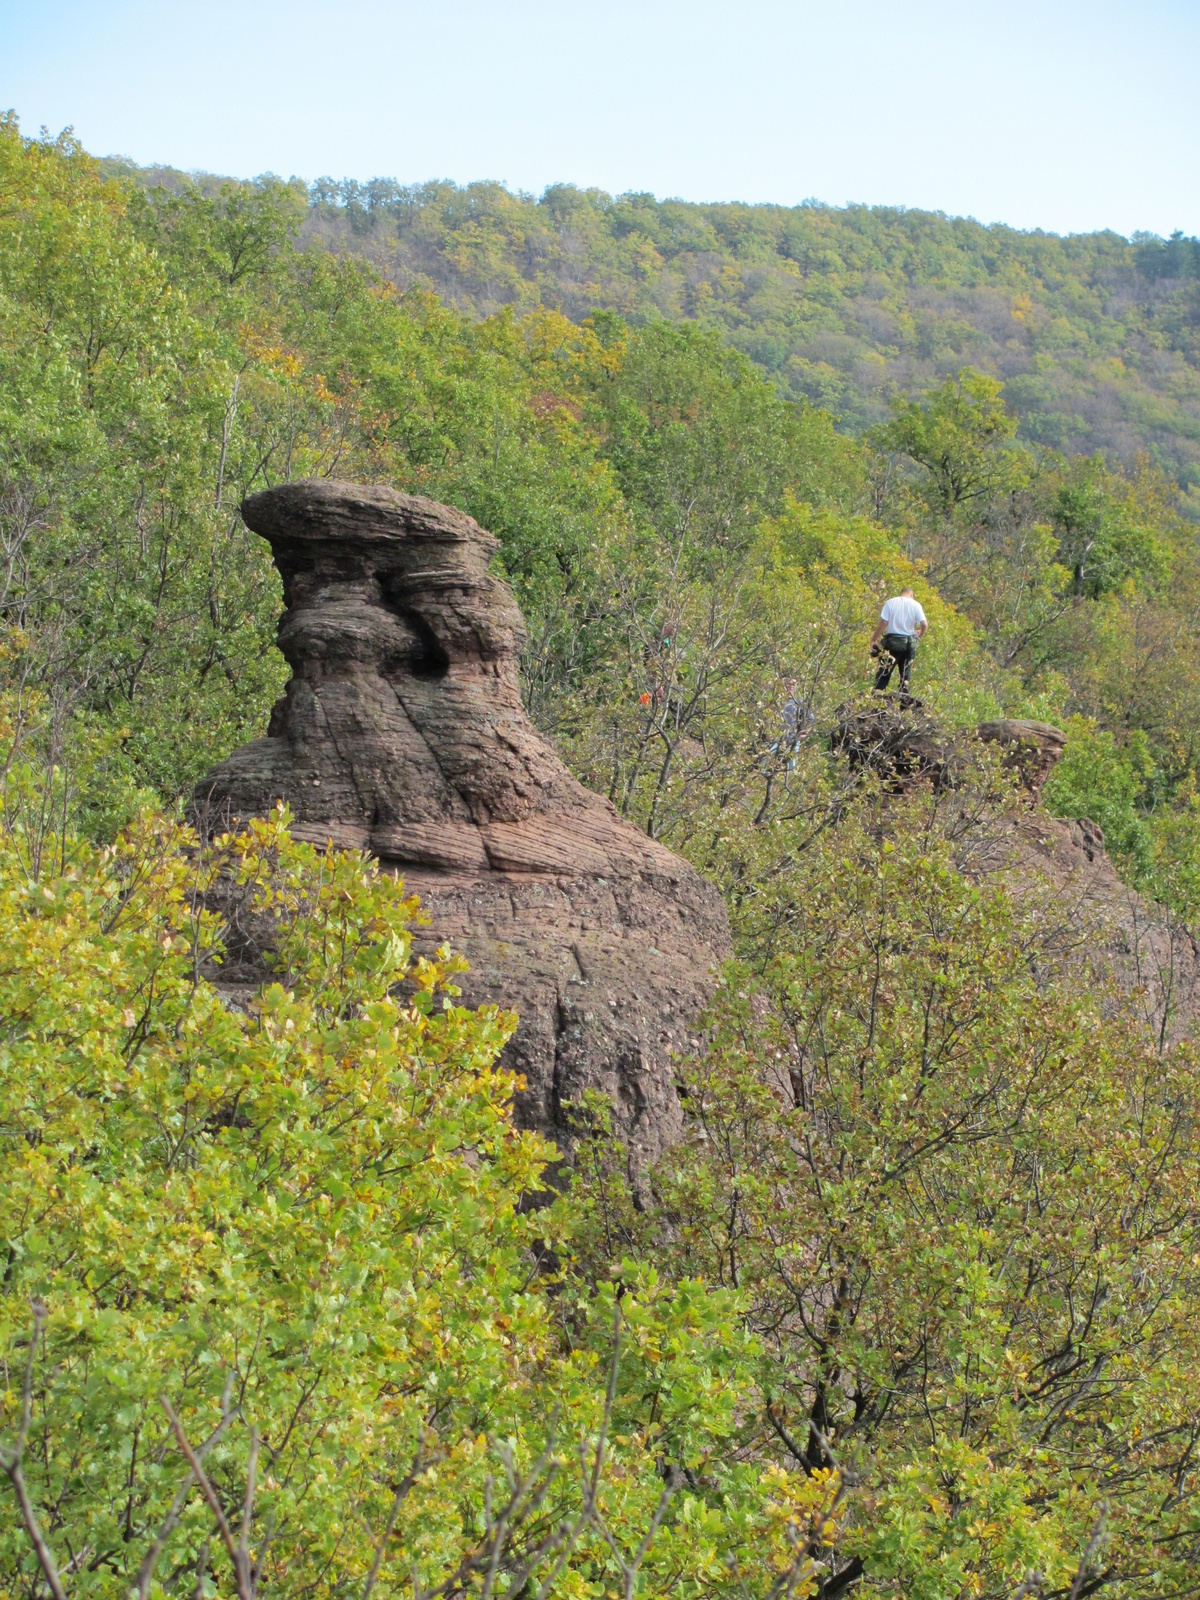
x=703 y=450
x=1094 y=336
x=221 y=241
x=958 y=1192
x=956 y=434
x=129 y=577
x=1101 y=539
x=1111 y=785
x=271 y=1320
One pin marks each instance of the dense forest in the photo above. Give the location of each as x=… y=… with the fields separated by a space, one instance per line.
x=287 y=1307
x=1096 y=337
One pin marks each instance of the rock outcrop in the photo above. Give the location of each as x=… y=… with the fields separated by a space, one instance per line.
x=402 y=732
x=1114 y=932
x=898 y=741
x=1100 y=926
x=1031 y=749
x=907 y=748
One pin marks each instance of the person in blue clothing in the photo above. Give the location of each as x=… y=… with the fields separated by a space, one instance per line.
x=902 y=624
x=797 y=722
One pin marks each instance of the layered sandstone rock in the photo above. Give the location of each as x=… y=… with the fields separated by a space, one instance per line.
x=402 y=732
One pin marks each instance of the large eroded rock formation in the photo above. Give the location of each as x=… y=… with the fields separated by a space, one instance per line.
x=402 y=732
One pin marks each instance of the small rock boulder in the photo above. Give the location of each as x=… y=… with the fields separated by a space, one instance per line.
x=1031 y=749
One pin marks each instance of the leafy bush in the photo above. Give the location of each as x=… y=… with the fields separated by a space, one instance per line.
x=1110 y=784
x=958 y=1192
x=272 y=1316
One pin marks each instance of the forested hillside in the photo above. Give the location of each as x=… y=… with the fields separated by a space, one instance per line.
x=287 y=1307
x=1096 y=337
x=638 y=472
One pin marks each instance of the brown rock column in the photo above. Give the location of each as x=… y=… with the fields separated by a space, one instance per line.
x=402 y=732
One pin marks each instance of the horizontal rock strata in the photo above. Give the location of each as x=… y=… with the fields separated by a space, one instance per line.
x=402 y=732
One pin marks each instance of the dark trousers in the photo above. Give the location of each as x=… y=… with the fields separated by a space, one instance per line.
x=898 y=651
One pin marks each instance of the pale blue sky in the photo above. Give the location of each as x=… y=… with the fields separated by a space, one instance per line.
x=1062 y=114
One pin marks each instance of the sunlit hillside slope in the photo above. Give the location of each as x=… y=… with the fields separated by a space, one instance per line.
x=1096 y=337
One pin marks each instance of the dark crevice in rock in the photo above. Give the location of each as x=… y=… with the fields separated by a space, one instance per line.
x=430 y=659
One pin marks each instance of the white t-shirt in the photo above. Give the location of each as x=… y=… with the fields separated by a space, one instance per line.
x=903 y=615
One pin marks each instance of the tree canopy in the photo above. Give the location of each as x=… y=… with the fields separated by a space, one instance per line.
x=287 y=1307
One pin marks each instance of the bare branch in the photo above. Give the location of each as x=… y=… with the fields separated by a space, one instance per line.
x=403 y=1488
x=210 y=1494
x=1029 y=1587
x=1085 y=1565
x=11 y=1461
x=629 y=1569
x=246 y=1575
x=150 y=1560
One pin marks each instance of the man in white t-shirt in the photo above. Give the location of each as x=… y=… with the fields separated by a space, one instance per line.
x=901 y=624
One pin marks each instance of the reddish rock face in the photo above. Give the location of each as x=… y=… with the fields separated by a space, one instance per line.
x=1108 y=931
x=1031 y=749
x=1116 y=934
x=402 y=732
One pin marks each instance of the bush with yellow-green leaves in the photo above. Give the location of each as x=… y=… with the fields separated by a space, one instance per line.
x=278 y=1315
x=955 y=1185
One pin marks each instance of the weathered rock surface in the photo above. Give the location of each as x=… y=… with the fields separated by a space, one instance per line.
x=1031 y=749
x=907 y=747
x=897 y=740
x=402 y=732
x=1103 y=929
x=1115 y=932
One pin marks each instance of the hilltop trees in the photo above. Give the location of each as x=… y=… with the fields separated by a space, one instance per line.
x=957 y=433
x=1095 y=336
x=129 y=590
x=674 y=526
